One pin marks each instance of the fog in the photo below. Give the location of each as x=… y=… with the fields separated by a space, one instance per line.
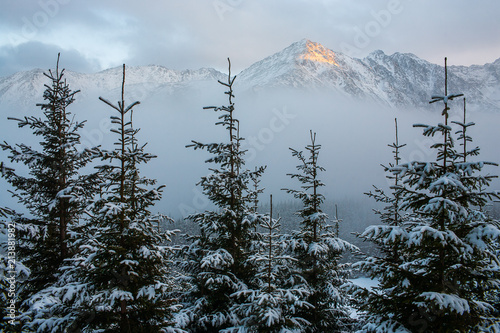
x=353 y=134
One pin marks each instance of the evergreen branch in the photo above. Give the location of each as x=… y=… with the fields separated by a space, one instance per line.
x=110 y=104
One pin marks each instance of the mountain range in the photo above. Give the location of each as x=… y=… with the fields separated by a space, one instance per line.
x=400 y=80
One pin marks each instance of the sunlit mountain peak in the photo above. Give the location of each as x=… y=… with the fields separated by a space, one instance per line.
x=318 y=53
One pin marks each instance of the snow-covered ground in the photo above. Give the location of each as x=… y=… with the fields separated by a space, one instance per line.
x=363 y=282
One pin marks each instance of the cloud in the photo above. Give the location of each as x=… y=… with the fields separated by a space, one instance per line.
x=193 y=34
x=38 y=55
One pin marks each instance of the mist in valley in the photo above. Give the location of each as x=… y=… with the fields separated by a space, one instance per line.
x=354 y=135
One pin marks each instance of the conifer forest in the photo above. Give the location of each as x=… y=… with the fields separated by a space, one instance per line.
x=87 y=248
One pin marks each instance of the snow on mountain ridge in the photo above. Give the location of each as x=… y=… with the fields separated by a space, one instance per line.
x=311 y=66
x=30 y=84
x=397 y=80
x=303 y=64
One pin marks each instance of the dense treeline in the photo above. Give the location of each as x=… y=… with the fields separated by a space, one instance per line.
x=91 y=256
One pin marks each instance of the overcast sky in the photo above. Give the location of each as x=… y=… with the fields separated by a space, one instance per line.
x=97 y=34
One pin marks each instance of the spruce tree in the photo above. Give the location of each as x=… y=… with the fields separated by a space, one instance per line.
x=318 y=250
x=120 y=278
x=387 y=237
x=55 y=191
x=448 y=267
x=278 y=293
x=215 y=264
x=392 y=214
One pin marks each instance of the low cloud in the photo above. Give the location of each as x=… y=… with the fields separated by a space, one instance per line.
x=39 y=55
x=194 y=34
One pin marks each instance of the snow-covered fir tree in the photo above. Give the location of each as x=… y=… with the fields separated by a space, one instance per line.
x=392 y=214
x=447 y=269
x=494 y=296
x=215 y=264
x=256 y=189
x=382 y=267
x=278 y=293
x=318 y=250
x=120 y=279
x=55 y=191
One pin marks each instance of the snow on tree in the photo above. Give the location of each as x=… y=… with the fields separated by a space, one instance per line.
x=278 y=293
x=54 y=193
x=387 y=237
x=120 y=279
x=12 y=272
x=447 y=267
x=254 y=195
x=318 y=250
x=215 y=264
x=391 y=215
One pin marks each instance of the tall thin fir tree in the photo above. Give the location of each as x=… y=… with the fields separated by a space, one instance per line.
x=384 y=268
x=449 y=265
x=215 y=264
x=392 y=214
x=54 y=193
x=494 y=297
x=256 y=189
x=120 y=280
x=336 y=222
x=318 y=250
x=278 y=294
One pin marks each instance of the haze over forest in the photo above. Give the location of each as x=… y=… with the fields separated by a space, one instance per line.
x=305 y=89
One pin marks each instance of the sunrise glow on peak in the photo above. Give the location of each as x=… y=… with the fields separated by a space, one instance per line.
x=318 y=53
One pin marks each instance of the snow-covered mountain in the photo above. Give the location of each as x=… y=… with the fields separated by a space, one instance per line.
x=27 y=87
x=397 y=80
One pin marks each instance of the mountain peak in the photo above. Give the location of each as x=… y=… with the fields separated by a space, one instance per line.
x=318 y=53
x=376 y=54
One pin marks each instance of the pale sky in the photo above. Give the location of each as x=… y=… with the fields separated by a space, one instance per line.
x=93 y=35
